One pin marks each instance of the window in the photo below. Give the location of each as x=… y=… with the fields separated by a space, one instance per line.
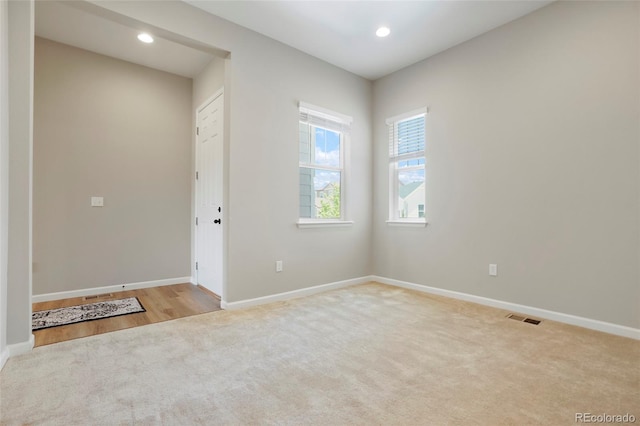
x=323 y=137
x=407 y=167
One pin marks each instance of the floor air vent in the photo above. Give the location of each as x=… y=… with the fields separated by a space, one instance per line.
x=523 y=319
x=98 y=296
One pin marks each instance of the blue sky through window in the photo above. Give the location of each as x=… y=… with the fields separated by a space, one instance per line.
x=327 y=153
x=407 y=177
x=327 y=148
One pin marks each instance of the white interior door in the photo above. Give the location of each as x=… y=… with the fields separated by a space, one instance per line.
x=209 y=209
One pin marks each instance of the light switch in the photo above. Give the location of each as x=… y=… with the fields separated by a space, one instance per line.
x=97 y=202
x=493 y=269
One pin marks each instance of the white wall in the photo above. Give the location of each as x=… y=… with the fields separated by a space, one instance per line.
x=110 y=128
x=21 y=24
x=532 y=163
x=4 y=167
x=208 y=82
x=268 y=82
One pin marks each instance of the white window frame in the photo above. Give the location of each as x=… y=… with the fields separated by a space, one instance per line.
x=323 y=118
x=392 y=124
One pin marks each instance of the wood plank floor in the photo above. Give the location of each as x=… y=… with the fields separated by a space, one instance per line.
x=161 y=304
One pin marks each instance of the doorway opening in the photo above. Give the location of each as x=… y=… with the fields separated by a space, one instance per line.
x=114 y=198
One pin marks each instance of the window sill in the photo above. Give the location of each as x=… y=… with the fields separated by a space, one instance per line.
x=324 y=223
x=408 y=223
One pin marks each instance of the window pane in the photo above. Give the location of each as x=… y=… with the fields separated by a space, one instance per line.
x=411 y=163
x=319 y=194
x=410 y=193
x=327 y=147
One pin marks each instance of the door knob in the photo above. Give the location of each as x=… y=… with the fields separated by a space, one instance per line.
x=217 y=221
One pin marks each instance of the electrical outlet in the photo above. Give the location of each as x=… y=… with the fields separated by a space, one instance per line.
x=97 y=202
x=493 y=269
x=278 y=265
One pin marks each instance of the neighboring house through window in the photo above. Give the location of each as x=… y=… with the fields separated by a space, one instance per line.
x=407 y=166
x=323 y=139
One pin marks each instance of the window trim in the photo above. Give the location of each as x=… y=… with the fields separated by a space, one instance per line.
x=319 y=117
x=407 y=115
x=323 y=223
x=394 y=171
x=409 y=223
x=324 y=113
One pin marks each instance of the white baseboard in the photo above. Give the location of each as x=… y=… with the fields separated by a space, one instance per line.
x=619 y=330
x=22 y=347
x=293 y=294
x=107 y=289
x=4 y=356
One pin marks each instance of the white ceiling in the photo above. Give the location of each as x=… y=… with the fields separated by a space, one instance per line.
x=339 y=32
x=343 y=32
x=64 y=23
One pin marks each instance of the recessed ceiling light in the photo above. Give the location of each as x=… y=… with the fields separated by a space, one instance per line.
x=145 y=38
x=383 y=32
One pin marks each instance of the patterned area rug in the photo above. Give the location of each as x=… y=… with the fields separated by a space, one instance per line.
x=89 y=312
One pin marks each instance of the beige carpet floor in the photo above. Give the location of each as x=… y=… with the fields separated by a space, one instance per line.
x=370 y=354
